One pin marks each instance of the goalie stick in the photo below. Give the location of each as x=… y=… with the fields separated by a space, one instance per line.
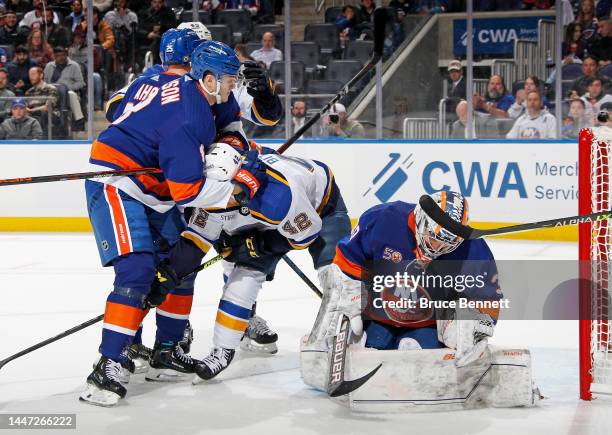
x=466 y=232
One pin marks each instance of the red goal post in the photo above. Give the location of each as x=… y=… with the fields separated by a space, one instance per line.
x=595 y=249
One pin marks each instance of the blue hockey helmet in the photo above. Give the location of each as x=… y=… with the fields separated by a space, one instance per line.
x=214 y=57
x=433 y=240
x=176 y=46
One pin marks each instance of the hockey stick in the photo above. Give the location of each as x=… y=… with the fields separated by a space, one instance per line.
x=302 y=275
x=380 y=18
x=466 y=232
x=90 y=322
x=77 y=176
x=337 y=386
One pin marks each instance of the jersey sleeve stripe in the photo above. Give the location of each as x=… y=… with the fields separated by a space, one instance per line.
x=231 y=323
x=262 y=217
x=277 y=176
x=202 y=244
x=184 y=192
x=304 y=243
x=328 y=190
x=351 y=269
x=260 y=118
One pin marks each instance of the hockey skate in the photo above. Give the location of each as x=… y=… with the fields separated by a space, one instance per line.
x=169 y=363
x=127 y=368
x=217 y=361
x=259 y=337
x=103 y=384
x=140 y=355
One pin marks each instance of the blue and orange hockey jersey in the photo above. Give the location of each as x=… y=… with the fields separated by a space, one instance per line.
x=165 y=123
x=385 y=235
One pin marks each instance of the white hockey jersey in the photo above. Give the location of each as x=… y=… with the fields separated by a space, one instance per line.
x=290 y=200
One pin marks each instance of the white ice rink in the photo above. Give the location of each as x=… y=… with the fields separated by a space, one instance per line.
x=52 y=282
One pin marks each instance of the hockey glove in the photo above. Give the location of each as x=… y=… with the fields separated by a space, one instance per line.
x=469 y=335
x=164 y=281
x=259 y=85
x=243 y=247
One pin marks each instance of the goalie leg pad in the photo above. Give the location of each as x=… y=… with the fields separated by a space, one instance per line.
x=429 y=380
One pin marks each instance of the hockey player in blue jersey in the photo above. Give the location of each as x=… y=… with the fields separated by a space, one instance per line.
x=167 y=122
x=401 y=233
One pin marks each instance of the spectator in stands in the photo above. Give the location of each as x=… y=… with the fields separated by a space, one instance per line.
x=576 y=119
x=396 y=36
x=40 y=51
x=20 y=125
x=121 y=16
x=366 y=11
x=606 y=108
x=67 y=72
x=55 y=34
x=339 y=125
x=485 y=127
x=103 y=31
x=36 y=15
x=535 y=123
x=532 y=83
x=10 y=32
x=267 y=53
x=573 y=36
x=347 y=23
x=586 y=17
x=19 y=70
x=298 y=116
x=78 y=49
x=455 y=86
x=153 y=22
x=594 y=98
x=589 y=71
x=601 y=47
x=39 y=108
x=5 y=105
x=401 y=5
x=496 y=101
x=75 y=17
x=603 y=8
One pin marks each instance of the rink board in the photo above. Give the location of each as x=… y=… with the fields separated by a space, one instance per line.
x=506 y=182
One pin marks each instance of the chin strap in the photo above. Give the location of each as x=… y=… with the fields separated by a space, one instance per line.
x=216 y=94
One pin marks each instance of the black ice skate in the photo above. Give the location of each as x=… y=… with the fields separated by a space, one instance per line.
x=217 y=361
x=259 y=337
x=185 y=343
x=140 y=355
x=128 y=368
x=170 y=363
x=103 y=384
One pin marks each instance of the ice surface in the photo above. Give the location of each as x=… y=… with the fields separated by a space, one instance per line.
x=52 y=282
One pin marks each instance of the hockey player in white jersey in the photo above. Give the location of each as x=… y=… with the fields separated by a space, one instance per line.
x=291 y=204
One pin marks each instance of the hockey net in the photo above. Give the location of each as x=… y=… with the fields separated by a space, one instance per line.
x=595 y=251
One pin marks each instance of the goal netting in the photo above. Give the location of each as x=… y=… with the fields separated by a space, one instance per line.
x=595 y=249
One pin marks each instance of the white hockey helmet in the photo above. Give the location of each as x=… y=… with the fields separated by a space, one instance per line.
x=433 y=240
x=200 y=29
x=221 y=162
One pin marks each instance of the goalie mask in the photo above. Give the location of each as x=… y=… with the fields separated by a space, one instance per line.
x=221 y=162
x=432 y=239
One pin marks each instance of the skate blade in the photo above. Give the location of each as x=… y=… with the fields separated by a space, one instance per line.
x=252 y=346
x=140 y=366
x=166 y=375
x=96 y=396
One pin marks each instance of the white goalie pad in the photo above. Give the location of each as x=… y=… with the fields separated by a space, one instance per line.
x=428 y=380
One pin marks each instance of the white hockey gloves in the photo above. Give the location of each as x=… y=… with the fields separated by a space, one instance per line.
x=467 y=333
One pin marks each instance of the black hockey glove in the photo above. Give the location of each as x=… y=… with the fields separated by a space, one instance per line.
x=165 y=280
x=243 y=247
x=259 y=85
